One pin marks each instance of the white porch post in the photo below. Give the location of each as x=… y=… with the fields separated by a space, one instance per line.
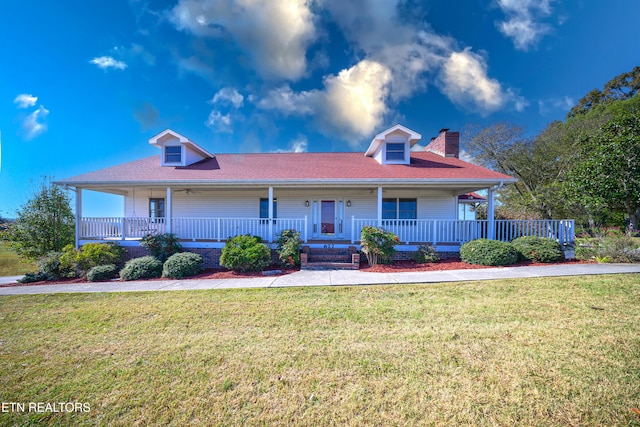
x=270 y=214
x=379 y=206
x=168 y=211
x=490 y=215
x=78 y=216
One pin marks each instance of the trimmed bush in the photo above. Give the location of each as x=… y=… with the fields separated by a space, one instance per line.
x=245 y=253
x=102 y=272
x=488 y=252
x=378 y=245
x=538 y=249
x=33 y=277
x=425 y=254
x=146 y=267
x=289 y=248
x=181 y=265
x=95 y=254
x=56 y=265
x=161 y=246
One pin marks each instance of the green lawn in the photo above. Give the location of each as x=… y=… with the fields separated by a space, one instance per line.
x=557 y=351
x=11 y=264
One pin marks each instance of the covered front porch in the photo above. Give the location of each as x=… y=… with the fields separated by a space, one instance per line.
x=324 y=215
x=409 y=232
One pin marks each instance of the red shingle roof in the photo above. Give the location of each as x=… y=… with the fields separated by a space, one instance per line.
x=290 y=167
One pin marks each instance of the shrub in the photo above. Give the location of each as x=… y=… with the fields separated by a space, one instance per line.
x=378 y=245
x=488 y=252
x=538 y=249
x=619 y=248
x=425 y=254
x=245 y=253
x=146 y=267
x=611 y=248
x=161 y=246
x=102 y=272
x=182 y=265
x=95 y=254
x=289 y=248
x=34 y=277
x=68 y=266
x=55 y=265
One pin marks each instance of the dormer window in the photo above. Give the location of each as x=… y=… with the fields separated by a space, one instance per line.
x=395 y=151
x=173 y=154
x=393 y=145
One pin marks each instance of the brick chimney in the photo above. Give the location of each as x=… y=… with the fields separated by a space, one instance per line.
x=446 y=144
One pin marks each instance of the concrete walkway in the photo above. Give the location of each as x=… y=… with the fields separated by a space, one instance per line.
x=332 y=278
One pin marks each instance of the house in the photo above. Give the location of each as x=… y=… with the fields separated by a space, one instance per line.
x=205 y=198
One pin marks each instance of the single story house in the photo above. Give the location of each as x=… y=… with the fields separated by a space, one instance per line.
x=205 y=198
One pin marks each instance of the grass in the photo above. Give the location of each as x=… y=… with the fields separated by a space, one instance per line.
x=551 y=351
x=12 y=264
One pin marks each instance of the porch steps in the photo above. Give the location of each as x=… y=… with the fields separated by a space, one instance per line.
x=330 y=259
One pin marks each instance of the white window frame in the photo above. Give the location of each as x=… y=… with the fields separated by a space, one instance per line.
x=164 y=156
x=404 y=153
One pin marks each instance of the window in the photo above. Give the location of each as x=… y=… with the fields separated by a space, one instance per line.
x=156 y=208
x=389 y=208
x=395 y=151
x=399 y=208
x=407 y=208
x=173 y=154
x=264 y=208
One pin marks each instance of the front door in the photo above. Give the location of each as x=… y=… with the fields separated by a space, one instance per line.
x=328 y=217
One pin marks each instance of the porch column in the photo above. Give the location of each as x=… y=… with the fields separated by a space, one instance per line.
x=78 y=216
x=270 y=239
x=491 y=232
x=379 y=206
x=168 y=211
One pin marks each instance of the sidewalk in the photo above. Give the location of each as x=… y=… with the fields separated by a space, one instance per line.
x=331 y=278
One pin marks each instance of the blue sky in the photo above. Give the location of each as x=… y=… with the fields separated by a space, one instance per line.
x=83 y=85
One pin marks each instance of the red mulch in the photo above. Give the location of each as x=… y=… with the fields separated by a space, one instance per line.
x=446 y=264
x=397 y=266
x=208 y=273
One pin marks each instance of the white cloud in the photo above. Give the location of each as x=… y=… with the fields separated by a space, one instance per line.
x=25 y=100
x=35 y=123
x=298 y=145
x=563 y=103
x=219 y=122
x=228 y=95
x=351 y=105
x=275 y=33
x=522 y=24
x=106 y=62
x=288 y=102
x=415 y=54
x=463 y=79
x=356 y=98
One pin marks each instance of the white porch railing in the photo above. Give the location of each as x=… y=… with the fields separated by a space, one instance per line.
x=461 y=231
x=120 y=228
x=215 y=229
x=409 y=231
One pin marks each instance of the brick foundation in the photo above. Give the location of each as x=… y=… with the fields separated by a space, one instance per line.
x=211 y=256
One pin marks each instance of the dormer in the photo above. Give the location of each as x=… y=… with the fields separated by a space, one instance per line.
x=393 y=146
x=178 y=150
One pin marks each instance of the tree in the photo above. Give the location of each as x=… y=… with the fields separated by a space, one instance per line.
x=536 y=163
x=45 y=223
x=621 y=87
x=542 y=164
x=606 y=171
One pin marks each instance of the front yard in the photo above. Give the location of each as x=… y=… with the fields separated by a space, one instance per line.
x=12 y=264
x=556 y=351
